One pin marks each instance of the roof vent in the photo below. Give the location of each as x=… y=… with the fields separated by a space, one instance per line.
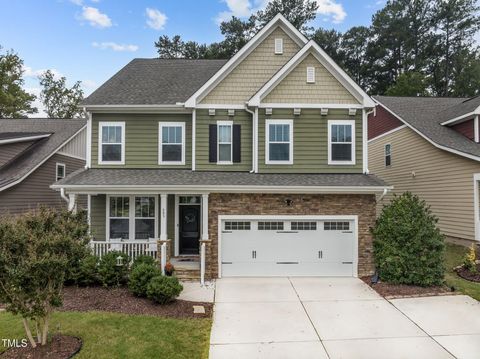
x=278 y=46
x=211 y=111
x=310 y=75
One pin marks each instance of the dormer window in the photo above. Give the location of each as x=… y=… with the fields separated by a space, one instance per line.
x=278 y=46
x=310 y=75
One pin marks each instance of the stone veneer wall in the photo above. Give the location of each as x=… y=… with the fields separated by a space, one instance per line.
x=362 y=205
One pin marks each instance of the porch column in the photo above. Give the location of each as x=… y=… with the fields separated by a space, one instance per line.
x=163 y=217
x=205 y=217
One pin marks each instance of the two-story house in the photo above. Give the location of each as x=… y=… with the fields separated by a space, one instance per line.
x=259 y=163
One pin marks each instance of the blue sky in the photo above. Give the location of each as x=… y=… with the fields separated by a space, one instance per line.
x=90 y=40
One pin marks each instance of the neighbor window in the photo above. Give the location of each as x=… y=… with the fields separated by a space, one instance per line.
x=111 y=143
x=279 y=142
x=224 y=129
x=144 y=217
x=60 y=171
x=172 y=143
x=341 y=142
x=119 y=217
x=388 y=155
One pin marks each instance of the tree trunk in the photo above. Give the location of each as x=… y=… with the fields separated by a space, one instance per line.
x=39 y=334
x=29 y=333
x=45 y=329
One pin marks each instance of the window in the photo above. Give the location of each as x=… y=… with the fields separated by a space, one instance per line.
x=144 y=217
x=60 y=171
x=388 y=155
x=303 y=226
x=224 y=129
x=112 y=143
x=237 y=226
x=336 y=226
x=172 y=143
x=341 y=142
x=278 y=46
x=310 y=75
x=270 y=226
x=279 y=142
x=119 y=217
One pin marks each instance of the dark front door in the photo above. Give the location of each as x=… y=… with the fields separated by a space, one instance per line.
x=189 y=229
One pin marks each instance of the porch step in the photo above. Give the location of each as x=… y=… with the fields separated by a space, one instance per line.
x=187 y=274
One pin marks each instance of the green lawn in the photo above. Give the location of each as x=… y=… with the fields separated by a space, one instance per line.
x=110 y=335
x=454 y=258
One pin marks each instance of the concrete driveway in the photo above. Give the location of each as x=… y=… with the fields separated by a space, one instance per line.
x=337 y=318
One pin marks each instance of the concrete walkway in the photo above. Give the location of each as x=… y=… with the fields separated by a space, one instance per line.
x=337 y=318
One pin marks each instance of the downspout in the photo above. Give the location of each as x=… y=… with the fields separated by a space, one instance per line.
x=385 y=191
x=62 y=194
x=254 y=130
x=365 y=140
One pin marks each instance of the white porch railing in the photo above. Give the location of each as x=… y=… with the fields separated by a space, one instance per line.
x=132 y=248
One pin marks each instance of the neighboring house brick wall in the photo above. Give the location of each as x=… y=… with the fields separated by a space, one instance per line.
x=310 y=142
x=444 y=180
x=382 y=122
x=253 y=72
x=466 y=128
x=295 y=89
x=242 y=118
x=303 y=204
x=35 y=190
x=10 y=150
x=141 y=139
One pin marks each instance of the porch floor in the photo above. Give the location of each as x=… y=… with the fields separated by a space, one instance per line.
x=186 y=262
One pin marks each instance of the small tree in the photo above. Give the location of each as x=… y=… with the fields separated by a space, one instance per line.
x=408 y=247
x=35 y=253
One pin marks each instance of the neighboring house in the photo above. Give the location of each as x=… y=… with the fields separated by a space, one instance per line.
x=430 y=146
x=34 y=153
x=257 y=162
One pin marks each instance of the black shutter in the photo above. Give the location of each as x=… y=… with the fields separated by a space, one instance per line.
x=237 y=144
x=212 y=143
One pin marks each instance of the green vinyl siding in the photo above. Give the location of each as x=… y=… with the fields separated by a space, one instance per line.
x=98 y=217
x=141 y=139
x=242 y=118
x=310 y=142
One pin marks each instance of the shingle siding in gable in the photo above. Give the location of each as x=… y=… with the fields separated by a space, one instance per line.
x=295 y=89
x=253 y=72
x=465 y=128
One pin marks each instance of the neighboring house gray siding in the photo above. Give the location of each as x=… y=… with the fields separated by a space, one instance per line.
x=35 y=190
x=10 y=150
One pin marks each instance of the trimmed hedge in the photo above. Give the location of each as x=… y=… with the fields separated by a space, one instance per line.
x=140 y=276
x=163 y=289
x=408 y=246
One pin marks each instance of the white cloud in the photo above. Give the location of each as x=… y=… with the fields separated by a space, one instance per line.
x=114 y=46
x=95 y=17
x=332 y=10
x=31 y=73
x=240 y=8
x=37 y=103
x=156 y=19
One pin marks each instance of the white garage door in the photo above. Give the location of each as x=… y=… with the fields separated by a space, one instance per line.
x=288 y=247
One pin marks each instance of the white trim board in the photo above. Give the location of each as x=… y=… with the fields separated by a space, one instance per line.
x=448 y=149
x=463 y=117
x=387 y=133
x=476 y=204
x=288 y=217
x=23 y=139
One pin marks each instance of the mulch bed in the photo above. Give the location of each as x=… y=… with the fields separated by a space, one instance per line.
x=392 y=291
x=120 y=300
x=59 y=347
x=466 y=274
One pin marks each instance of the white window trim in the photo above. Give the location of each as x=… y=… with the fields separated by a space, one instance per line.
x=160 y=144
x=131 y=215
x=57 y=165
x=278 y=46
x=101 y=125
x=385 y=154
x=267 y=142
x=340 y=122
x=224 y=123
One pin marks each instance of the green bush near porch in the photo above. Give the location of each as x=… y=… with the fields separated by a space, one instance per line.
x=140 y=277
x=110 y=273
x=408 y=246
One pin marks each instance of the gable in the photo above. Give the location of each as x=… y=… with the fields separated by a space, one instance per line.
x=381 y=122
x=11 y=150
x=254 y=71
x=295 y=89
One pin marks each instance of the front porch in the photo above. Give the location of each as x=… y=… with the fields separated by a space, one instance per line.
x=168 y=227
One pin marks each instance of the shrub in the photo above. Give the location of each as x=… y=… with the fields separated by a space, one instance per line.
x=143 y=260
x=140 y=277
x=408 y=247
x=86 y=274
x=109 y=273
x=35 y=253
x=469 y=261
x=163 y=289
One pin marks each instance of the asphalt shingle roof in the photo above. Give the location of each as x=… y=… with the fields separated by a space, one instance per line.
x=155 y=82
x=60 y=130
x=166 y=177
x=425 y=114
